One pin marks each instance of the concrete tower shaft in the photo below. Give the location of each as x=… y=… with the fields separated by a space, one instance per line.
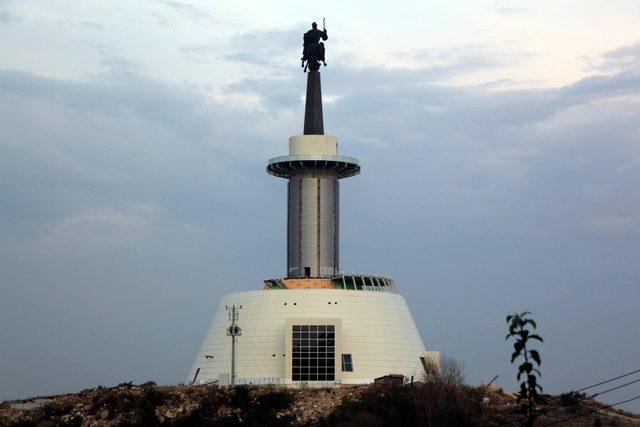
x=312 y=224
x=313 y=169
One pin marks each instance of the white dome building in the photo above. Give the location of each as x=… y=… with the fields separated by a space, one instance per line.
x=317 y=326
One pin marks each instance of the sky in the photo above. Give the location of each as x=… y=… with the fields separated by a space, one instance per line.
x=500 y=151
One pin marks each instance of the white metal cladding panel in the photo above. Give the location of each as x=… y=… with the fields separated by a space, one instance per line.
x=377 y=330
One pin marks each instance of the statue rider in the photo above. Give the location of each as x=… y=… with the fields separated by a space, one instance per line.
x=313 y=50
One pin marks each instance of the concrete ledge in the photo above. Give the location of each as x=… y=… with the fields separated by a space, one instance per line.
x=313 y=145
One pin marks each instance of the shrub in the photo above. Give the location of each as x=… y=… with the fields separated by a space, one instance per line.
x=447 y=400
x=391 y=407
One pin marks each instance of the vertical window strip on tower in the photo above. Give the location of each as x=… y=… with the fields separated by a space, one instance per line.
x=318 y=216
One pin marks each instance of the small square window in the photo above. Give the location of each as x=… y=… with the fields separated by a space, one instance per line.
x=347 y=363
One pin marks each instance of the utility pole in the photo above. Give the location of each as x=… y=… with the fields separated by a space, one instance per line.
x=233 y=331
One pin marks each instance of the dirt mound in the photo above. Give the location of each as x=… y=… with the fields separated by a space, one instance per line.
x=420 y=404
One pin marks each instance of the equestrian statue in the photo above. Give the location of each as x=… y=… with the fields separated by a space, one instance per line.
x=313 y=50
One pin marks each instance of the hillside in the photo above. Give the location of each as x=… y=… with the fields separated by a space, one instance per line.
x=148 y=404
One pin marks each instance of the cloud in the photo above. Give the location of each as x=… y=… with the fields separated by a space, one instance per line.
x=624 y=59
x=506 y=7
x=7 y=17
x=261 y=48
x=201 y=52
x=265 y=46
x=614 y=223
x=85 y=25
x=95 y=228
x=460 y=59
x=193 y=13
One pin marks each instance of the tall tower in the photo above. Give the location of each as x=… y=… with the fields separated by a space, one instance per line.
x=313 y=168
x=317 y=326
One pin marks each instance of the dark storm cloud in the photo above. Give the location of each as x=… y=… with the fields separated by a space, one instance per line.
x=129 y=206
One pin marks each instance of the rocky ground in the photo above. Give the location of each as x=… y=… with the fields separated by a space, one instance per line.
x=420 y=404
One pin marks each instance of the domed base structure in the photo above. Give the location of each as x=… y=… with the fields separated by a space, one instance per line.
x=312 y=336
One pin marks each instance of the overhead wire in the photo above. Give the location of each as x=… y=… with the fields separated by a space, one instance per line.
x=607 y=381
x=614 y=388
x=591 y=397
x=592 y=410
x=578 y=391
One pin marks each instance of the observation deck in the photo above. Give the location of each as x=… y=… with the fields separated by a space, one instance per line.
x=285 y=166
x=349 y=282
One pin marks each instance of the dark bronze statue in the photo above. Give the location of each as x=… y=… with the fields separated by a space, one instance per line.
x=313 y=51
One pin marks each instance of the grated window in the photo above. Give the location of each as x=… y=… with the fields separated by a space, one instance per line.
x=313 y=353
